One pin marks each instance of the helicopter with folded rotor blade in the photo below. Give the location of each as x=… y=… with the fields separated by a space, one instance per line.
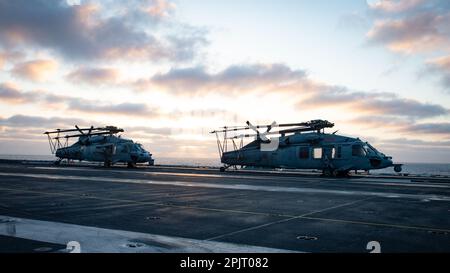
x=100 y=144
x=303 y=145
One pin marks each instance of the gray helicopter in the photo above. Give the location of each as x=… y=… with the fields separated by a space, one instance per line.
x=302 y=145
x=97 y=144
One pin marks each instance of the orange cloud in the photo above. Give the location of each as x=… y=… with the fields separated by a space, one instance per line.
x=419 y=33
x=85 y=14
x=442 y=62
x=395 y=6
x=441 y=67
x=161 y=8
x=37 y=70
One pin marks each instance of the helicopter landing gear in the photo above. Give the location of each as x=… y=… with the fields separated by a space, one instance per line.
x=107 y=164
x=131 y=165
x=222 y=169
x=327 y=172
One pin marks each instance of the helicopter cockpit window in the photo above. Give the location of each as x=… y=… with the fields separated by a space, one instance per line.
x=370 y=149
x=358 y=150
x=139 y=147
x=135 y=147
x=317 y=153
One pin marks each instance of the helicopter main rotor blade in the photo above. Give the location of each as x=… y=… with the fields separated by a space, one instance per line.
x=62 y=131
x=78 y=128
x=90 y=130
x=307 y=126
x=79 y=135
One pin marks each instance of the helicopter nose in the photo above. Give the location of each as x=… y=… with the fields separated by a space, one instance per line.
x=388 y=162
x=145 y=156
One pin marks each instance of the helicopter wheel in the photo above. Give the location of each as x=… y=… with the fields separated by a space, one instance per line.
x=131 y=165
x=107 y=164
x=222 y=169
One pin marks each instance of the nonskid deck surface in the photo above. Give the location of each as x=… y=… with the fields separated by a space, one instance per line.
x=161 y=209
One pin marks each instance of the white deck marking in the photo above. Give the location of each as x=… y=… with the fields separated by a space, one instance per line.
x=93 y=239
x=234 y=186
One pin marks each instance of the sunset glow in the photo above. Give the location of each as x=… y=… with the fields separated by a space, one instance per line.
x=168 y=72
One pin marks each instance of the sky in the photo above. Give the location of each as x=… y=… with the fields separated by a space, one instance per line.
x=168 y=72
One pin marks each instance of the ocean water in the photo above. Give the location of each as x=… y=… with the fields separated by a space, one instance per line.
x=426 y=169
x=192 y=162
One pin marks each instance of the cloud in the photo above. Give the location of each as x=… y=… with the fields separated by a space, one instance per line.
x=134 y=109
x=374 y=121
x=39 y=122
x=430 y=128
x=416 y=142
x=385 y=104
x=273 y=78
x=395 y=5
x=91 y=30
x=36 y=70
x=10 y=57
x=406 y=126
x=415 y=27
x=94 y=76
x=10 y=93
x=413 y=34
x=441 y=67
x=234 y=78
x=402 y=107
x=161 y=8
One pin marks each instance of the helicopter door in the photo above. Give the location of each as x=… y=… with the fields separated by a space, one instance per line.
x=329 y=152
x=338 y=152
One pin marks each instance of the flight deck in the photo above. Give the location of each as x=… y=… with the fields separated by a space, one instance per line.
x=180 y=209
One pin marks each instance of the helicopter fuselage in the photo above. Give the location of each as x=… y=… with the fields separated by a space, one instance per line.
x=331 y=153
x=108 y=149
